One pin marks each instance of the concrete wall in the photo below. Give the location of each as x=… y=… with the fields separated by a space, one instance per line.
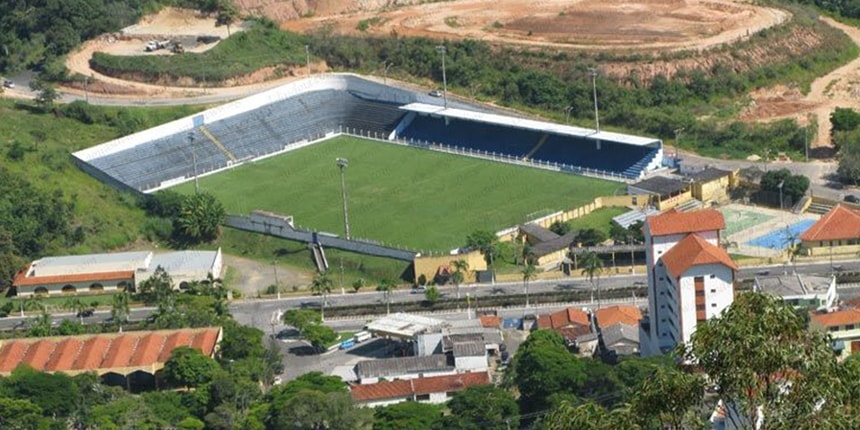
x=713 y=191
x=429 y=264
x=478 y=363
x=823 y=248
x=80 y=287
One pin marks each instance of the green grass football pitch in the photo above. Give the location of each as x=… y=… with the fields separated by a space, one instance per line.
x=397 y=195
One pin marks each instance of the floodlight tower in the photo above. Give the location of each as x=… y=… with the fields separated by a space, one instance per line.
x=341 y=164
x=194 y=160
x=593 y=72
x=442 y=50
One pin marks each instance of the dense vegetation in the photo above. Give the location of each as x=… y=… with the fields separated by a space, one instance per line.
x=846 y=139
x=259 y=47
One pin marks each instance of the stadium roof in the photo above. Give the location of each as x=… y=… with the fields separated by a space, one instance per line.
x=529 y=124
x=403 y=325
x=121 y=353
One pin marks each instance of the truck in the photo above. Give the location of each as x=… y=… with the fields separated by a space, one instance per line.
x=154 y=45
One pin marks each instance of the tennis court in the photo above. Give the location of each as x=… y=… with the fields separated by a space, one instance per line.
x=738 y=220
x=781 y=239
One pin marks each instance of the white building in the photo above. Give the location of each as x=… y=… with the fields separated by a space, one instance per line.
x=690 y=278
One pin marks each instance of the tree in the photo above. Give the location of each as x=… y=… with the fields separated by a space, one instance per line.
x=120 y=309
x=587 y=416
x=76 y=305
x=592 y=267
x=41 y=325
x=302 y=318
x=52 y=393
x=47 y=93
x=200 y=218
x=543 y=367
x=432 y=295
x=484 y=241
x=322 y=285
x=772 y=179
x=387 y=286
x=188 y=367
x=311 y=409
x=669 y=398
x=240 y=341
x=795 y=187
x=529 y=272
x=484 y=407
x=844 y=119
x=359 y=284
x=19 y=414
x=560 y=228
x=591 y=237
x=849 y=157
x=406 y=415
x=158 y=289
x=228 y=13
x=760 y=354
x=460 y=267
x=320 y=336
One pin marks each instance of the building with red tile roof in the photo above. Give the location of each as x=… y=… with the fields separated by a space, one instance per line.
x=618 y=314
x=838 y=231
x=116 y=353
x=434 y=389
x=690 y=277
x=843 y=326
x=574 y=325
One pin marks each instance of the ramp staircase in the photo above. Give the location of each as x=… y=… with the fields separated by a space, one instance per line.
x=540 y=143
x=319 y=256
x=801 y=206
x=635 y=171
x=690 y=205
x=819 y=208
x=217 y=143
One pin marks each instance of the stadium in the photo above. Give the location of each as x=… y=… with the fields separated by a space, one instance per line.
x=317 y=109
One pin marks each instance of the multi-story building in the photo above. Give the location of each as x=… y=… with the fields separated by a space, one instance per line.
x=690 y=277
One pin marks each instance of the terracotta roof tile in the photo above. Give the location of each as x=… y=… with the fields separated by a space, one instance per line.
x=694 y=251
x=448 y=383
x=491 y=321
x=101 y=352
x=618 y=314
x=381 y=390
x=563 y=318
x=674 y=222
x=838 y=318
x=840 y=223
x=23 y=281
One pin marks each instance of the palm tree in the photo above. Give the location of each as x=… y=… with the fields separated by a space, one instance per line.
x=41 y=325
x=119 y=310
x=592 y=266
x=460 y=266
x=322 y=285
x=387 y=286
x=76 y=305
x=31 y=303
x=529 y=272
x=794 y=248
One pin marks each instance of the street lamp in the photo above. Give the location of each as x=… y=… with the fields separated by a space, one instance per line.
x=342 y=163
x=781 y=183
x=677 y=132
x=194 y=160
x=567 y=114
x=386 y=65
x=442 y=50
x=593 y=72
x=308 y=58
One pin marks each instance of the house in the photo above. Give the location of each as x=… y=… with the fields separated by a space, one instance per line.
x=371 y=371
x=618 y=314
x=800 y=291
x=99 y=273
x=574 y=325
x=470 y=356
x=431 y=389
x=712 y=185
x=837 y=232
x=620 y=339
x=843 y=326
x=126 y=359
x=664 y=192
x=690 y=278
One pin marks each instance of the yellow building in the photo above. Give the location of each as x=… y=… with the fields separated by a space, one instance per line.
x=665 y=193
x=712 y=185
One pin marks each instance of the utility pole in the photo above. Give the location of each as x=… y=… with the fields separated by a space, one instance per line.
x=442 y=50
x=342 y=163
x=87 y=89
x=593 y=72
x=677 y=132
x=386 y=65
x=308 y=58
x=194 y=160
x=567 y=114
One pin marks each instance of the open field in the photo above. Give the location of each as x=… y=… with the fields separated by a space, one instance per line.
x=397 y=195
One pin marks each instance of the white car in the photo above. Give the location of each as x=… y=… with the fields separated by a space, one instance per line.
x=435 y=93
x=8 y=84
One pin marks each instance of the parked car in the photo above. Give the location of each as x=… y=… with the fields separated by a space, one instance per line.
x=86 y=313
x=435 y=93
x=8 y=84
x=851 y=198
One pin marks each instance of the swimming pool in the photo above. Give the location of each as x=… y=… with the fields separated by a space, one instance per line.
x=779 y=239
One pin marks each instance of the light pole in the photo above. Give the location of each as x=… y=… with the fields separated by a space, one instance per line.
x=677 y=132
x=342 y=163
x=308 y=58
x=567 y=111
x=781 y=183
x=442 y=50
x=194 y=160
x=593 y=72
x=386 y=65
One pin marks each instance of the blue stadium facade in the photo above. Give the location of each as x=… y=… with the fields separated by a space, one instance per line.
x=313 y=109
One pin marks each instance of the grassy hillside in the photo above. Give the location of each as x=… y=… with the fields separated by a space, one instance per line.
x=397 y=195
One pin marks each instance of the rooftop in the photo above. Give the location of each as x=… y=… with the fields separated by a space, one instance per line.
x=661 y=186
x=403 y=325
x=691 y=251
x=537 y=232
x=183 y=260
x=674 y=222
x=622 y=314
x=618 y=333
x=708 y=174
x=398 y=366
x=563 y=318
x=629 y=218
x=553 y=245
x=469 y=349
x=840 y=223
x=413 y=387
x=837 y=318
x=89 y=263
x=121 y=353
x=793 y=285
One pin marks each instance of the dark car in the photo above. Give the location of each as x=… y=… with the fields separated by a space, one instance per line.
x=86 y=313
x=8 y=84
x=851 y=198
